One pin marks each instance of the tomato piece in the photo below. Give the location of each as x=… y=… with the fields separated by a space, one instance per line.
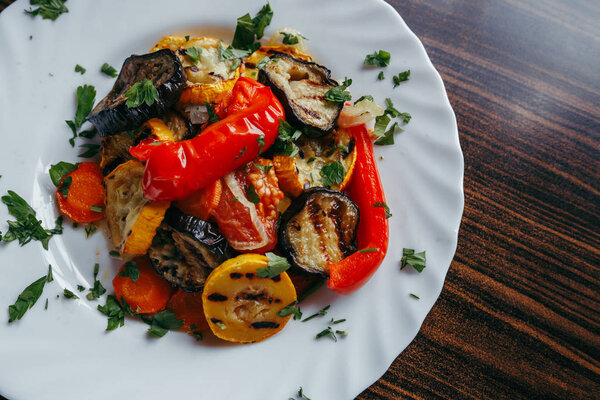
x=247 y=211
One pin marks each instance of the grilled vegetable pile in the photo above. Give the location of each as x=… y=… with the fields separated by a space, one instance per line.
x=221 y=168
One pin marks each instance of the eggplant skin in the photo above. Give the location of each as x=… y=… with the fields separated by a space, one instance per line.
x=300 y=86
x=163 y=68
x=318 y=229
x=185 y=250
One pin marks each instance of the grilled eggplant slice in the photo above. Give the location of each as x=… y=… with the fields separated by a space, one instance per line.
x=301 y=87
x=186 y=248
x=163 y=68
x=319 y=229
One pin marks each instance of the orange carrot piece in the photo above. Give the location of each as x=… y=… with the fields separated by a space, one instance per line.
x=188 y=307
x=202 y=203
x=149 y=294
x=84 y=201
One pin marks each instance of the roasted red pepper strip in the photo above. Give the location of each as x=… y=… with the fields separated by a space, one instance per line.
x=366 y=191
x=176 y=170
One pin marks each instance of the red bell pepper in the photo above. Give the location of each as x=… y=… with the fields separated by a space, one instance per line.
x=176 y=170
x=372 y=236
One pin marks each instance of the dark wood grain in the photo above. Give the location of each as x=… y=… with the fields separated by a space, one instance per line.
x=519 y=316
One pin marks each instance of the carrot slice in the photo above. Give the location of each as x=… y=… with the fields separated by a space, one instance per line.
x=202 y=203
x=188 y=307
x=149 y=294
x=81 y=194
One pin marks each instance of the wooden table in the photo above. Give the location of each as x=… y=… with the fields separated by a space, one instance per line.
x=519 y=316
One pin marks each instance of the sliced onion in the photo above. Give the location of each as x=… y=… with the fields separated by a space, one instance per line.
x=363 y=112
x=198 y=113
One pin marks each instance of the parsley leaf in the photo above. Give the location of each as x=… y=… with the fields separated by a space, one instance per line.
x=401 y=77
x=163 y=321
x=263 y=168
x=275 y=266
x=48 y=9
x=71 y=125
x=92 y=150
x=96 y=291
x=380 y=76
x=327 y=332
x=365 y=97
x=86 y=95
x=26 y=299
x=290 y=309
x=388 y=136
x=301 y=395
x=26 y=227
x=70 y=295
x=394 y=113
x=284 y=144
x=212 y=116
x=379 y=58
x=415 y=260
x=383 y=205
x=369 y=250
x=194 y=53
x=261 y=143
x=248 y=28
x=262 y=20
x=291 y=39
x=414 y=295
x=80 y=69
x=59 y=170
x=251 y=194
x=49 y=277
x=230 y=53
x=130 y=270
x=263 y=62
x=108 y=70
x=64 y=186
x=339 y=94
x=90 y=229
x=115 y=312
x=332 y=174
x=140 y=93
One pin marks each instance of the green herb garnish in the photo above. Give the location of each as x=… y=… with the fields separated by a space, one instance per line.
x=251 y=194
x=194 y=53
x=327 y=332
x=130 y=270
x=212 y=116
x=414 y=295
x=57 y=171
x=248 y=28
x=332 y=174
x=369 y=250
x=320 y=313
x=339 y=94
x=365 y=97
x=92 y=150
x=86 y=95
x=90 y=229
x=115 y=312
x=380 y=76
x=263 y=62
x=69 y=295
x=80 y=288
x=96 y=208
x=80 y=69
x=379 y=58
x=263 y=168
x=291 y=39
x=401 y=77
x=26 y=299
x=383 y=205
x=49 y=277
x=231 y=53
x=290 y=309
x=140 y=93
x=339 y=321
x=48 y=9
x=98 y=290
x=162 y=322
x=415 y=260
x=108 y=70
x=261 y=143
x=275 y=266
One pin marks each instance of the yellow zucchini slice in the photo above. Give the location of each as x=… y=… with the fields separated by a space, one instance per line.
x=303 y=171
x=242 y=307
x=132 y=220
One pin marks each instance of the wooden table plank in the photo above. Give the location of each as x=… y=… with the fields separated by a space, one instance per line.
x=519 y=315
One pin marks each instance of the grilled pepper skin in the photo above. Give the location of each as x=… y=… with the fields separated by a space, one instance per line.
x=365 y=190
x=176 y=170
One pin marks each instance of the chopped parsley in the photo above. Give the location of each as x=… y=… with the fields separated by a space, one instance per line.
x=251 y=194
x=143 y=92
x=235 y=64
x=263 y=168
x=365 y=97
x=415 y=260
x=231 y=53
x=290 y=309
x=275 y=266
x=48 y=9
x=320 y=313
x=284 y=144
x=369 y=250
x=394 y=113
x=339 y=94
x=162 y=322
x=291 y=39
x=187 y=38
x=115 y=312
x=80 y=288
x=98 y=290
x=263 y=62
x=248 y=29
x=130 y=270
x=383 y=205
x=69 y=295
x=107 y=69
x=90 y=229
x=379 y=58
x=49 y=277
x=327 y=332
x=300 y=395
x=86 y=95
x=80 y=69
x=26 y=227
x=401 y=77
x=380 y=76
x=26 y=299
x=414 y=295
x=332 y=174
x=242 y=151
x=261 y=143
x=194 y=53
x=339 y=321
x=71 y=125
x=388 y=136
x=114 y=253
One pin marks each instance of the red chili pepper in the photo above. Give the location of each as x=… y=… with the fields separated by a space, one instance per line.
x=372 y=236
x=176 y=170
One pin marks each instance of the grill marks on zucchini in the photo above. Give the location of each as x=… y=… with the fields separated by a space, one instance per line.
x=318 y=229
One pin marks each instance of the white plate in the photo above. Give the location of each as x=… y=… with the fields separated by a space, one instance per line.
x=64 y=352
